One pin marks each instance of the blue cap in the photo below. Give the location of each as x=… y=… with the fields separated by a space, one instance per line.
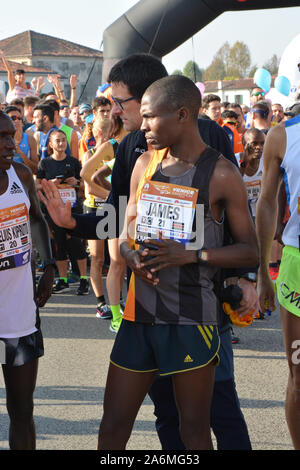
x=85 y=108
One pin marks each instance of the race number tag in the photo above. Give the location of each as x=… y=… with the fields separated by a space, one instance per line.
x=15 y=239
x=253 y=191
x=168 y=209
x=67 y=193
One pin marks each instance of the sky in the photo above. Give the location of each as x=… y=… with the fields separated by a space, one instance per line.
x=266 y=32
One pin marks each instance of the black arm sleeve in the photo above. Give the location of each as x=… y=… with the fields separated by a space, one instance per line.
x=86 y=226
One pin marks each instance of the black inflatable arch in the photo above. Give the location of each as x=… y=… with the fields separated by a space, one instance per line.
x=160 y=26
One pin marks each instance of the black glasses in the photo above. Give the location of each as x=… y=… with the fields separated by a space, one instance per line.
x=120 y=102
x=64 y=107
x=15 y=118
x=257 y=93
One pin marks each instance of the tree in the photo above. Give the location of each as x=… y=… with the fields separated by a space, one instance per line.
x=272 y=65
x=229 y=61
x=239 y=60
x=177 y=72
x=193 y=71
x=216 y=70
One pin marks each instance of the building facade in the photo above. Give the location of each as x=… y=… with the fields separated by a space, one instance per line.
x=43 y=52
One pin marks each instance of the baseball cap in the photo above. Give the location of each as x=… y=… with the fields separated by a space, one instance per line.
x=293 y=110
x=85 y=108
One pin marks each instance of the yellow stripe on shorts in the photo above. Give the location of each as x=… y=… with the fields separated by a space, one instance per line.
x=206 y=334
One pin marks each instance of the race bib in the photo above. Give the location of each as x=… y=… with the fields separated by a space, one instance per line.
x=168 y=209
x=98 y=201
x=68 y=193
x=15 y=240
x=253 y=191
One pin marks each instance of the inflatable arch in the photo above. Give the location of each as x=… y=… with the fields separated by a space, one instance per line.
x=160 y=26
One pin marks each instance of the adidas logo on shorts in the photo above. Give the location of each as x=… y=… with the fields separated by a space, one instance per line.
x=15 y=189
x=188 y=359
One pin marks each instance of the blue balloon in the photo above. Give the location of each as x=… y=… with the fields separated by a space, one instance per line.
x=283 y=85
x=263 y=79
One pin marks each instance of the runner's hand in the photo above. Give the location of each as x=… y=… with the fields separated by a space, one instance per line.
x=250 y=300
x=266 y=293
x=133 y=259
x=166 y=253
x=59 y=212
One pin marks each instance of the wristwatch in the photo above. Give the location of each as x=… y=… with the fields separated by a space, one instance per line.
x=252 y=277
x=48 y=262
x=202 y=256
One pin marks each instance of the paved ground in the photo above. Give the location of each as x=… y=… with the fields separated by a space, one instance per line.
x=72 y=375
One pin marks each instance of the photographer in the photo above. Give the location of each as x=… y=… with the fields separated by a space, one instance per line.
x=64 y=171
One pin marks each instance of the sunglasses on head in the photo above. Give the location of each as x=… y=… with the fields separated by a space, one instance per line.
x=257 y=93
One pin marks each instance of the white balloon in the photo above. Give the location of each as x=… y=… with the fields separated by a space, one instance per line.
x=277 y=98
x=289 y=66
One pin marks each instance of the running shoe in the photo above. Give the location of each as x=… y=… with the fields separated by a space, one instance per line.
x=60 y=286
x=83 y=288
x=104 y=312
x=115 y=325
x=273 y=271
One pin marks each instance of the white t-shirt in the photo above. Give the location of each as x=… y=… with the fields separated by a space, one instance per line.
x=253 y=184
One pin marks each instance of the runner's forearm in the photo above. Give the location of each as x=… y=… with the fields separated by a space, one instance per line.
x=266 y=217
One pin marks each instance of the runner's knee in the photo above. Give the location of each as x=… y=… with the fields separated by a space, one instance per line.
x=295 y=382
x=20 y=410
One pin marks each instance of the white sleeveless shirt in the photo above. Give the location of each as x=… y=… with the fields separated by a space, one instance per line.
x=291 y=167
x=18 y=311
x=253 y=184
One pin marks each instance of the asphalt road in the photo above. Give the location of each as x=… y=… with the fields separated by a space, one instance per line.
x=72 y=374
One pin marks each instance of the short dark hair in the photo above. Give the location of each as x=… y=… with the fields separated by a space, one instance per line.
x=100 y=101
x=262 y=109
x=17 y=102
x=46 y=111
x=30 y=101
x=234 y=106
x=225 y=104
x=53 y=104
x=9 y=109
x=252 y=130
x=228 y=114
x=178 y=91
x=209 y=99
x=137 y=72
x=57 y=131
x=20 y=72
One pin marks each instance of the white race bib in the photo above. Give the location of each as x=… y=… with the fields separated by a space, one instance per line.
x=165 y=208
x=15 y=238
x=68 y=193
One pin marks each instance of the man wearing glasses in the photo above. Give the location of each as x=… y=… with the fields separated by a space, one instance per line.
x=256 y=94
x=129 y=79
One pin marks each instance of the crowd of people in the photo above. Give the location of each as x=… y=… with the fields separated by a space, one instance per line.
x=198 y=176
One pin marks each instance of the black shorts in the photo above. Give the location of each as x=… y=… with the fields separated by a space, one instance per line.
x=166 y=349
x=15 y=352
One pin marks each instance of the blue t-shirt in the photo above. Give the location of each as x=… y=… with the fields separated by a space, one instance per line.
x=24 y=147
